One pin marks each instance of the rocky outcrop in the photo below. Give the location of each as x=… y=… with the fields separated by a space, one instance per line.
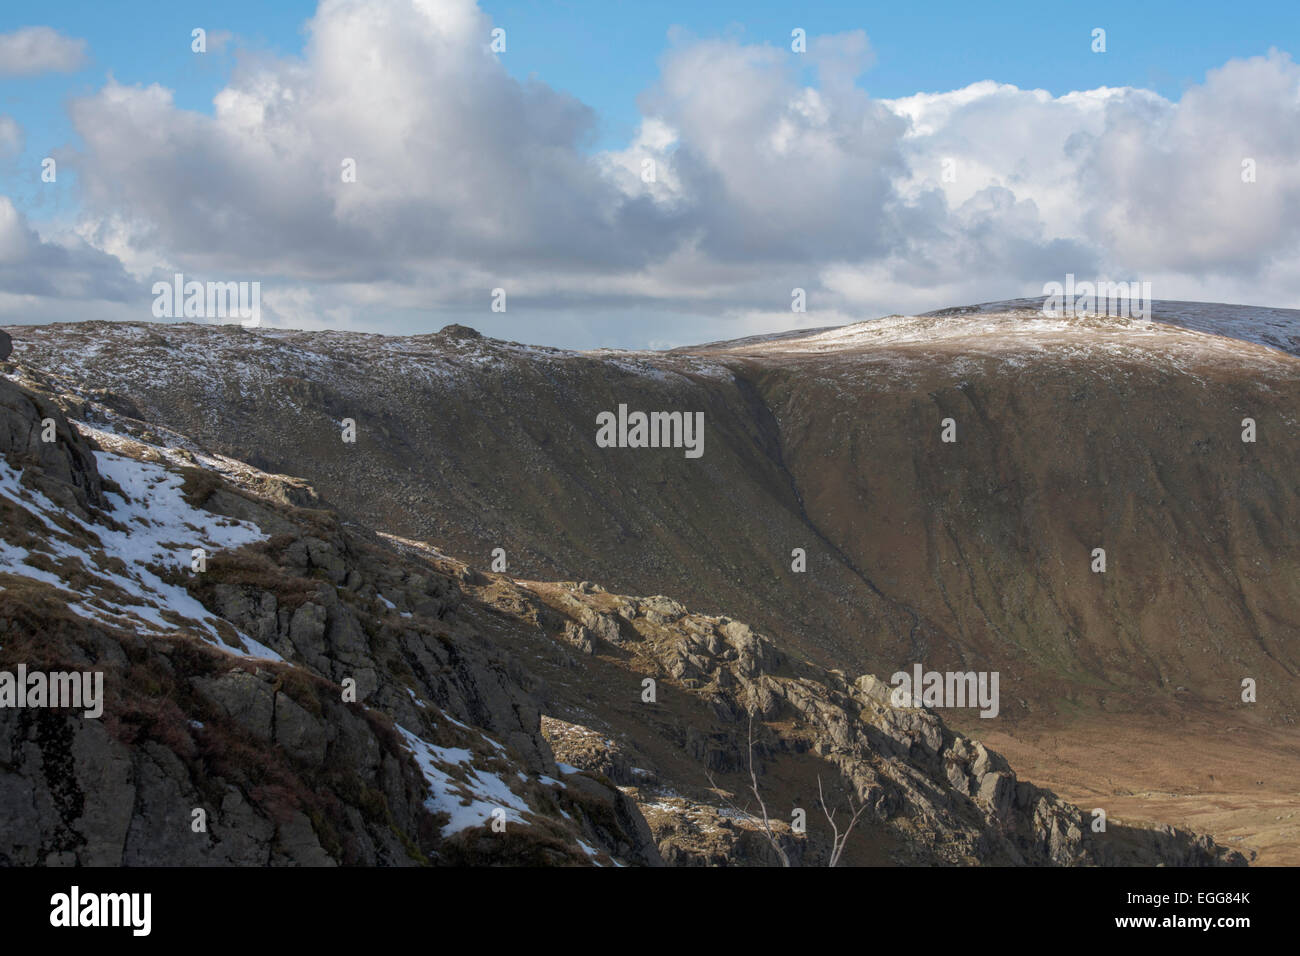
x=389 y=734
x=691 y=833
x=947 y=798
x=63 y=467
x=234 y=766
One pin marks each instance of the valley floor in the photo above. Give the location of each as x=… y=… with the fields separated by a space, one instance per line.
x=1209 y=773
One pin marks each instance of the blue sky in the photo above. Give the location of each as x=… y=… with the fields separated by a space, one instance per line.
x=606 y=52
x=611 y=56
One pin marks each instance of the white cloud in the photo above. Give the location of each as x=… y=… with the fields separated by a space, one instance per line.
x=34 y=50
x=33 y=269
x=468 y=179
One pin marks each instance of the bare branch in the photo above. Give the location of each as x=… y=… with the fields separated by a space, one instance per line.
x=723 y=796
x=744 y=812
x=838 y=840
x=753 y=782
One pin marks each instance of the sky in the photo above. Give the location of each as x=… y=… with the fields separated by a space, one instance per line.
x=641 y=175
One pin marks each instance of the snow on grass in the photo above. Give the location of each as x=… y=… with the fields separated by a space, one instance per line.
x=156 y=528
x=13 y=560
x=180 y=452
x=1188 y=337
x=469 y=802
x=484 y=736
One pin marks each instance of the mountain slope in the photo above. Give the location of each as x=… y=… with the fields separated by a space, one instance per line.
x=258 y=736
x=1072 y=434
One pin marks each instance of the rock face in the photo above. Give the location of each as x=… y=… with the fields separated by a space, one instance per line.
x=64 y=466
x=934 y=795
x=276 y=781
x=6 y=345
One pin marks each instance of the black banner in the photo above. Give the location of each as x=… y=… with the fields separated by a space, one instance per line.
x=221 y=906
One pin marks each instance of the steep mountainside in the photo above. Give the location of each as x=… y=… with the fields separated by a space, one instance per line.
x=228 y=736
x=1071 y=434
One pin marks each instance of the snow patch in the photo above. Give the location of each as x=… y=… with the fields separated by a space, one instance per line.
x=157 y=529
x=469 y=803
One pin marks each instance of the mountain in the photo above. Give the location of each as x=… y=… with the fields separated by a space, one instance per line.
x=370 y=560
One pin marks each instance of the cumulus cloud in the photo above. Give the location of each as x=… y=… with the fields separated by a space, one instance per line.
x=1136 y=184
x=773 y=170
x=743 y=181
x=33 y=270
x=454 y=160
x=34 y=50
x=1166 y=180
